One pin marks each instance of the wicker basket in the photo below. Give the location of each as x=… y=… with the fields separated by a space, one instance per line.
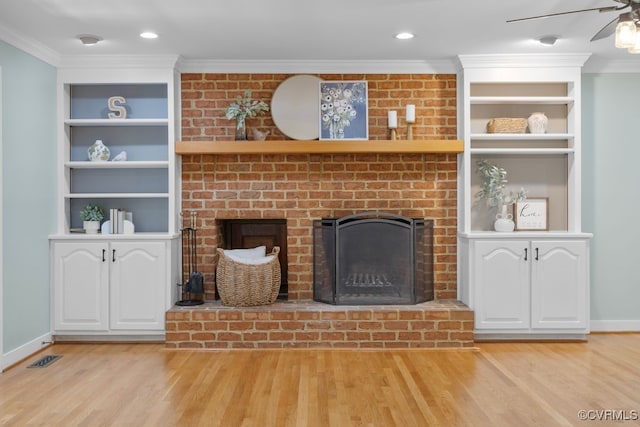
x=244 y=285
x=507 y=125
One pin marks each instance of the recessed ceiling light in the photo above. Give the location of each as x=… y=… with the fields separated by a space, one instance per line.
x=89 y=39
x=148 y=35
x=404 y=36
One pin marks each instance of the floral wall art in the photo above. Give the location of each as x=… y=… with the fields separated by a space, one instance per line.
x=343 y=110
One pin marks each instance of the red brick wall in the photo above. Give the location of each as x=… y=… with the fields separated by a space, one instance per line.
x=301 y=188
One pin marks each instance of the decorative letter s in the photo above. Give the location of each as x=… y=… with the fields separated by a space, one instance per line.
x=120 y=112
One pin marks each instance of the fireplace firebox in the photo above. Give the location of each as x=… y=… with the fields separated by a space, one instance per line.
x=373 y=258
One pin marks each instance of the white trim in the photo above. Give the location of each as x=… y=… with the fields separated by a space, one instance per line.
x=1 y=237
x=30 y=46
x=24 y=351
x=127 y=337
x=502 y=336
x=523 y=60
x=317 y=66
x=615 y=326
x=102 y=62
x=602 y=65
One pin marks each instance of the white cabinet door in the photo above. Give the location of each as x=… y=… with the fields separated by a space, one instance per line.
x=501 y=274
x=81 y=287
x=138 y=282
x=559 y=281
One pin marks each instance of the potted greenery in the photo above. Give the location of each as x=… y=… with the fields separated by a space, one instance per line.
x=91 y=215
x=243 y=108
x=494 y=191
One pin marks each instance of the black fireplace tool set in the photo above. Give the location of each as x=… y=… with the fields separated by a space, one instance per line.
x=192 y=280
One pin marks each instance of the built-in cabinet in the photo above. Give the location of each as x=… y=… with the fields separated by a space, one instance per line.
x=117 y=284
x=535 y=282
x=102 y=286
x=529 y=285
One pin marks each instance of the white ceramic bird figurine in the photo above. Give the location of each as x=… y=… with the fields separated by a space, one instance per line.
x=121 y=157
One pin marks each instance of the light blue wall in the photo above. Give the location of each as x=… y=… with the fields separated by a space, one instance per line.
x=29 y=193
x=611 y=192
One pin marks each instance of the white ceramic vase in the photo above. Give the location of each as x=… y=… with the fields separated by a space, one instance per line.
x=98 y=152
x=504 y=220
x=537 y=123
x=91 y=227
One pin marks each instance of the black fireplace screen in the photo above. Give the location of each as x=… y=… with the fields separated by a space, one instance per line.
x=373 y=258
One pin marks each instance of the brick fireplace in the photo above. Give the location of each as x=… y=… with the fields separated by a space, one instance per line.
x=301 y=188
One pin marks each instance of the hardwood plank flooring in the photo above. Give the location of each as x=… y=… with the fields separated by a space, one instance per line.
x=496 y=384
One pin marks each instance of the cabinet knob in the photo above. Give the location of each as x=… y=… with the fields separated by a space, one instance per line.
x=113 y=255
x=525 y=254
x=537 y=257
x=104 y=253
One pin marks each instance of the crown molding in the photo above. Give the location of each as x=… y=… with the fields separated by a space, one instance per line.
x=30 y=46
x=119 y=61
x=527 y=60
x=599 y=65
x=318 y=66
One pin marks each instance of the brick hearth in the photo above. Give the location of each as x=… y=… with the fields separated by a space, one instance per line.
x=435 y=324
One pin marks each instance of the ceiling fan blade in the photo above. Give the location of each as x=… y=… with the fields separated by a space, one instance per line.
x=607 y=30
x=550 y=15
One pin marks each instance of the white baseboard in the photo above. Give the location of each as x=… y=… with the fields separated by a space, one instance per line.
x=14 y=356
x=615 y=326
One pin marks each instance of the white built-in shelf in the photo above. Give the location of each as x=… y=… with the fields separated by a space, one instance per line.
x=118 y=165
x=146 y=235
x=505 y=151
x=521 y=136
x=549 y=100
x=116 y=195
x=116 y=122
x=551 y=234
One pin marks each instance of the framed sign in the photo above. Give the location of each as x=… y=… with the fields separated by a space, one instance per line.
x=532 y=214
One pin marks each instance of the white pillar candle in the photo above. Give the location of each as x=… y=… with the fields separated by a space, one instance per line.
x=411 y=113
x=393 y=119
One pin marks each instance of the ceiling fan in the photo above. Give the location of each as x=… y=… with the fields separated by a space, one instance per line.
x=631 y=16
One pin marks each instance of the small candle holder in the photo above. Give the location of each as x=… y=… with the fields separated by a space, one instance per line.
x=393 y=123
x=410 y=119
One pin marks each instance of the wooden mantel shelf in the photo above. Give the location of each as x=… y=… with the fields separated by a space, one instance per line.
x=319 y=147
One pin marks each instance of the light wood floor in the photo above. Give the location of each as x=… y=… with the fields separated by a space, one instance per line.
x=498 y=384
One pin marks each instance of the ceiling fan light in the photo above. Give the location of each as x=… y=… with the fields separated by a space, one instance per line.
x=636 y=47
x=625 y=34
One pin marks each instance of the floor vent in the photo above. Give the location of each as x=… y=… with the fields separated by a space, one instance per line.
x=45 y=361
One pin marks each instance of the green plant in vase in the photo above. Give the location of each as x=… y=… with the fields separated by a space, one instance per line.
x=241 y=109
x=91 y=215
x=494 y=191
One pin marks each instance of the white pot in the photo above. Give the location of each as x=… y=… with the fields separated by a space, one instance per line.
x=91 y=227
x=504 y=220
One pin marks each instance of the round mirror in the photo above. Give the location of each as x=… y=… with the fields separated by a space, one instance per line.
x=295 y=107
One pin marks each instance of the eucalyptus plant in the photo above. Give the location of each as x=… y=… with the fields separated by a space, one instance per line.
x=92 y=213
x=494 y=185
x=245 y=107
